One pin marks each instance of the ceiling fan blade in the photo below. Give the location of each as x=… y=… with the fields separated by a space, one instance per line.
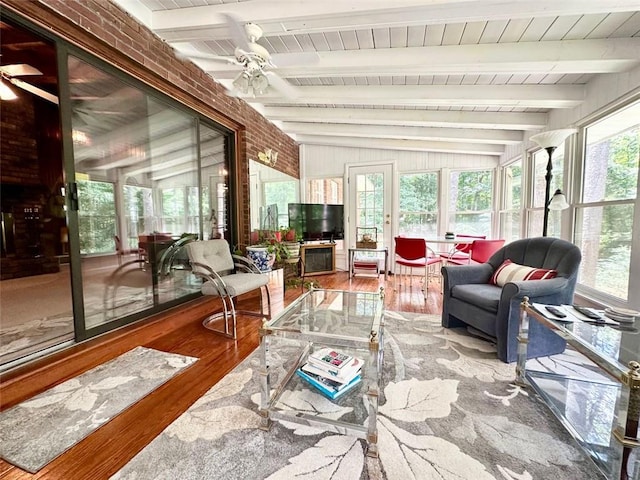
x=194 y=55
x=19 y=70
x=294 y=59
x=35 y=90
x=238 y=34
x=282 y=86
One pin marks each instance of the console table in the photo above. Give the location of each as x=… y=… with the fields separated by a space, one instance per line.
x=376 y=251
x=616 y=392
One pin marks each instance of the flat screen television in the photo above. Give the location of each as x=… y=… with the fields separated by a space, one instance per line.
x=317 y=221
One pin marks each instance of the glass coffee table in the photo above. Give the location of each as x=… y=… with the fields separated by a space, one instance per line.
x=352 y=322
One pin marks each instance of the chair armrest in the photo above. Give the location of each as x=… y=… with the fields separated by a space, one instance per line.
x=245 y=264
x=540 y=291
x=466 y=274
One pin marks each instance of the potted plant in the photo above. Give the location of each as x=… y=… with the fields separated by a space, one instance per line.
x=291 y=244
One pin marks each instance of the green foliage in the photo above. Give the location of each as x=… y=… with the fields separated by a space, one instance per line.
x=97 y=215
x=473 y=190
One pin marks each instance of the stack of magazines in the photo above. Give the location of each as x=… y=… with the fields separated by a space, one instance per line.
x=332 y=372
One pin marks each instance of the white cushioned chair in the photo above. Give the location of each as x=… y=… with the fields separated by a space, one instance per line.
x=226 y=276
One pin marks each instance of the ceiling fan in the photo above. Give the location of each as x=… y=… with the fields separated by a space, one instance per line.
x=256 y=61
x=8 y=74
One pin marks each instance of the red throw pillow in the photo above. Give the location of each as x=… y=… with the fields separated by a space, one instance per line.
x=512 y=272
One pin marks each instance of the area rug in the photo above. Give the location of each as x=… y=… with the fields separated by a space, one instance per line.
x=37 y=430
x=449 y=410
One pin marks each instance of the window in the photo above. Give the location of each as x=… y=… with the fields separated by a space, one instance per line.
x=325 y=190
x=418 y=204
x=538 y=181
x=511 y=210
x=282 y=194
x=470 y=197
x=604 y=217
x=96 y=214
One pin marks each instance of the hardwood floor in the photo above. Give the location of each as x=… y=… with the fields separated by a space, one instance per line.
x=178 y=330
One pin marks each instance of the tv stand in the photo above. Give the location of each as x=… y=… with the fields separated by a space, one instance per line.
x=318 y=259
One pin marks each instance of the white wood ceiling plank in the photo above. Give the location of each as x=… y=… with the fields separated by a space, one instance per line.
x=440 y=79
x=470 y=79
x=570 y=79
x=425 y=80
x=609 y=25
x=493 y=31
x=372 y=80
x=398 y=37
x=536 y=29
x=274 y=44
x=305 y=42
x=290 y=43
x=381 y=38
x=585 y=26
x=629 y=28
x=334 y=41
x=560 y=26
x=348 y=81
x=319 y=41
x=365 y=38
x=350 y=40
x=454 y=79
x=518 y=79
x=385 y=81
x=485 y=80
x=501 y=79
x=434 y=35
x=472 y=33
x=551 y=79
x=535 y=78
x=416 y=35
x=453 y=33
x=398 y=80
x=412 y=79
x=514 y=30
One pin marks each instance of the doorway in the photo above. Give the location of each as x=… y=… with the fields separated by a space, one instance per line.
x=371 y=203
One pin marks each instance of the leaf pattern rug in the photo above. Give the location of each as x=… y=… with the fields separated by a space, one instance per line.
x=449 y=411
x=37 y=430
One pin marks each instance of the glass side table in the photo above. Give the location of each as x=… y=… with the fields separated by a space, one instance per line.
x=611 y=438
x=352 y=322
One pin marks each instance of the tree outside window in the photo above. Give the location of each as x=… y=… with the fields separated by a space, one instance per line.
x=470 y=197
x=604 y=227
x=418 y=204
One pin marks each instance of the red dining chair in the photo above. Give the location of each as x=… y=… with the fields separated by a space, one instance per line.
x=481 y=251
x=461 y=252
x=413 y=253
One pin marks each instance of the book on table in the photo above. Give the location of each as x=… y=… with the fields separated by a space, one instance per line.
x=330 y=360
x=343 y=376
x=326 y=386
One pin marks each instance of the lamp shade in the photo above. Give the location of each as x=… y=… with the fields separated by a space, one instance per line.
x=552 y=138
x=558 y=201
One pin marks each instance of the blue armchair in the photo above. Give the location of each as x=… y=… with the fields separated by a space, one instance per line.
x=470 y=300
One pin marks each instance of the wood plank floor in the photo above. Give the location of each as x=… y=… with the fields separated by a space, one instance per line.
x=179 y=330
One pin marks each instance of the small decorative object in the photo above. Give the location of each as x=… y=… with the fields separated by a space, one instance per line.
x=367 y=237
x=449 y=235
x=268 y=157
x=261 y=257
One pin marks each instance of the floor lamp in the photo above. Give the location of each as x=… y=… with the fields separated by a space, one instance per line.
x=550 y=141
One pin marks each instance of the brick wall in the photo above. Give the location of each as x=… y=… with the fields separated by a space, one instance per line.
x=106 y=31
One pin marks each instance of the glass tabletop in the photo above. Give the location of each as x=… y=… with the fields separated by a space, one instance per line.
x=332 y=313
x=611 y=346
